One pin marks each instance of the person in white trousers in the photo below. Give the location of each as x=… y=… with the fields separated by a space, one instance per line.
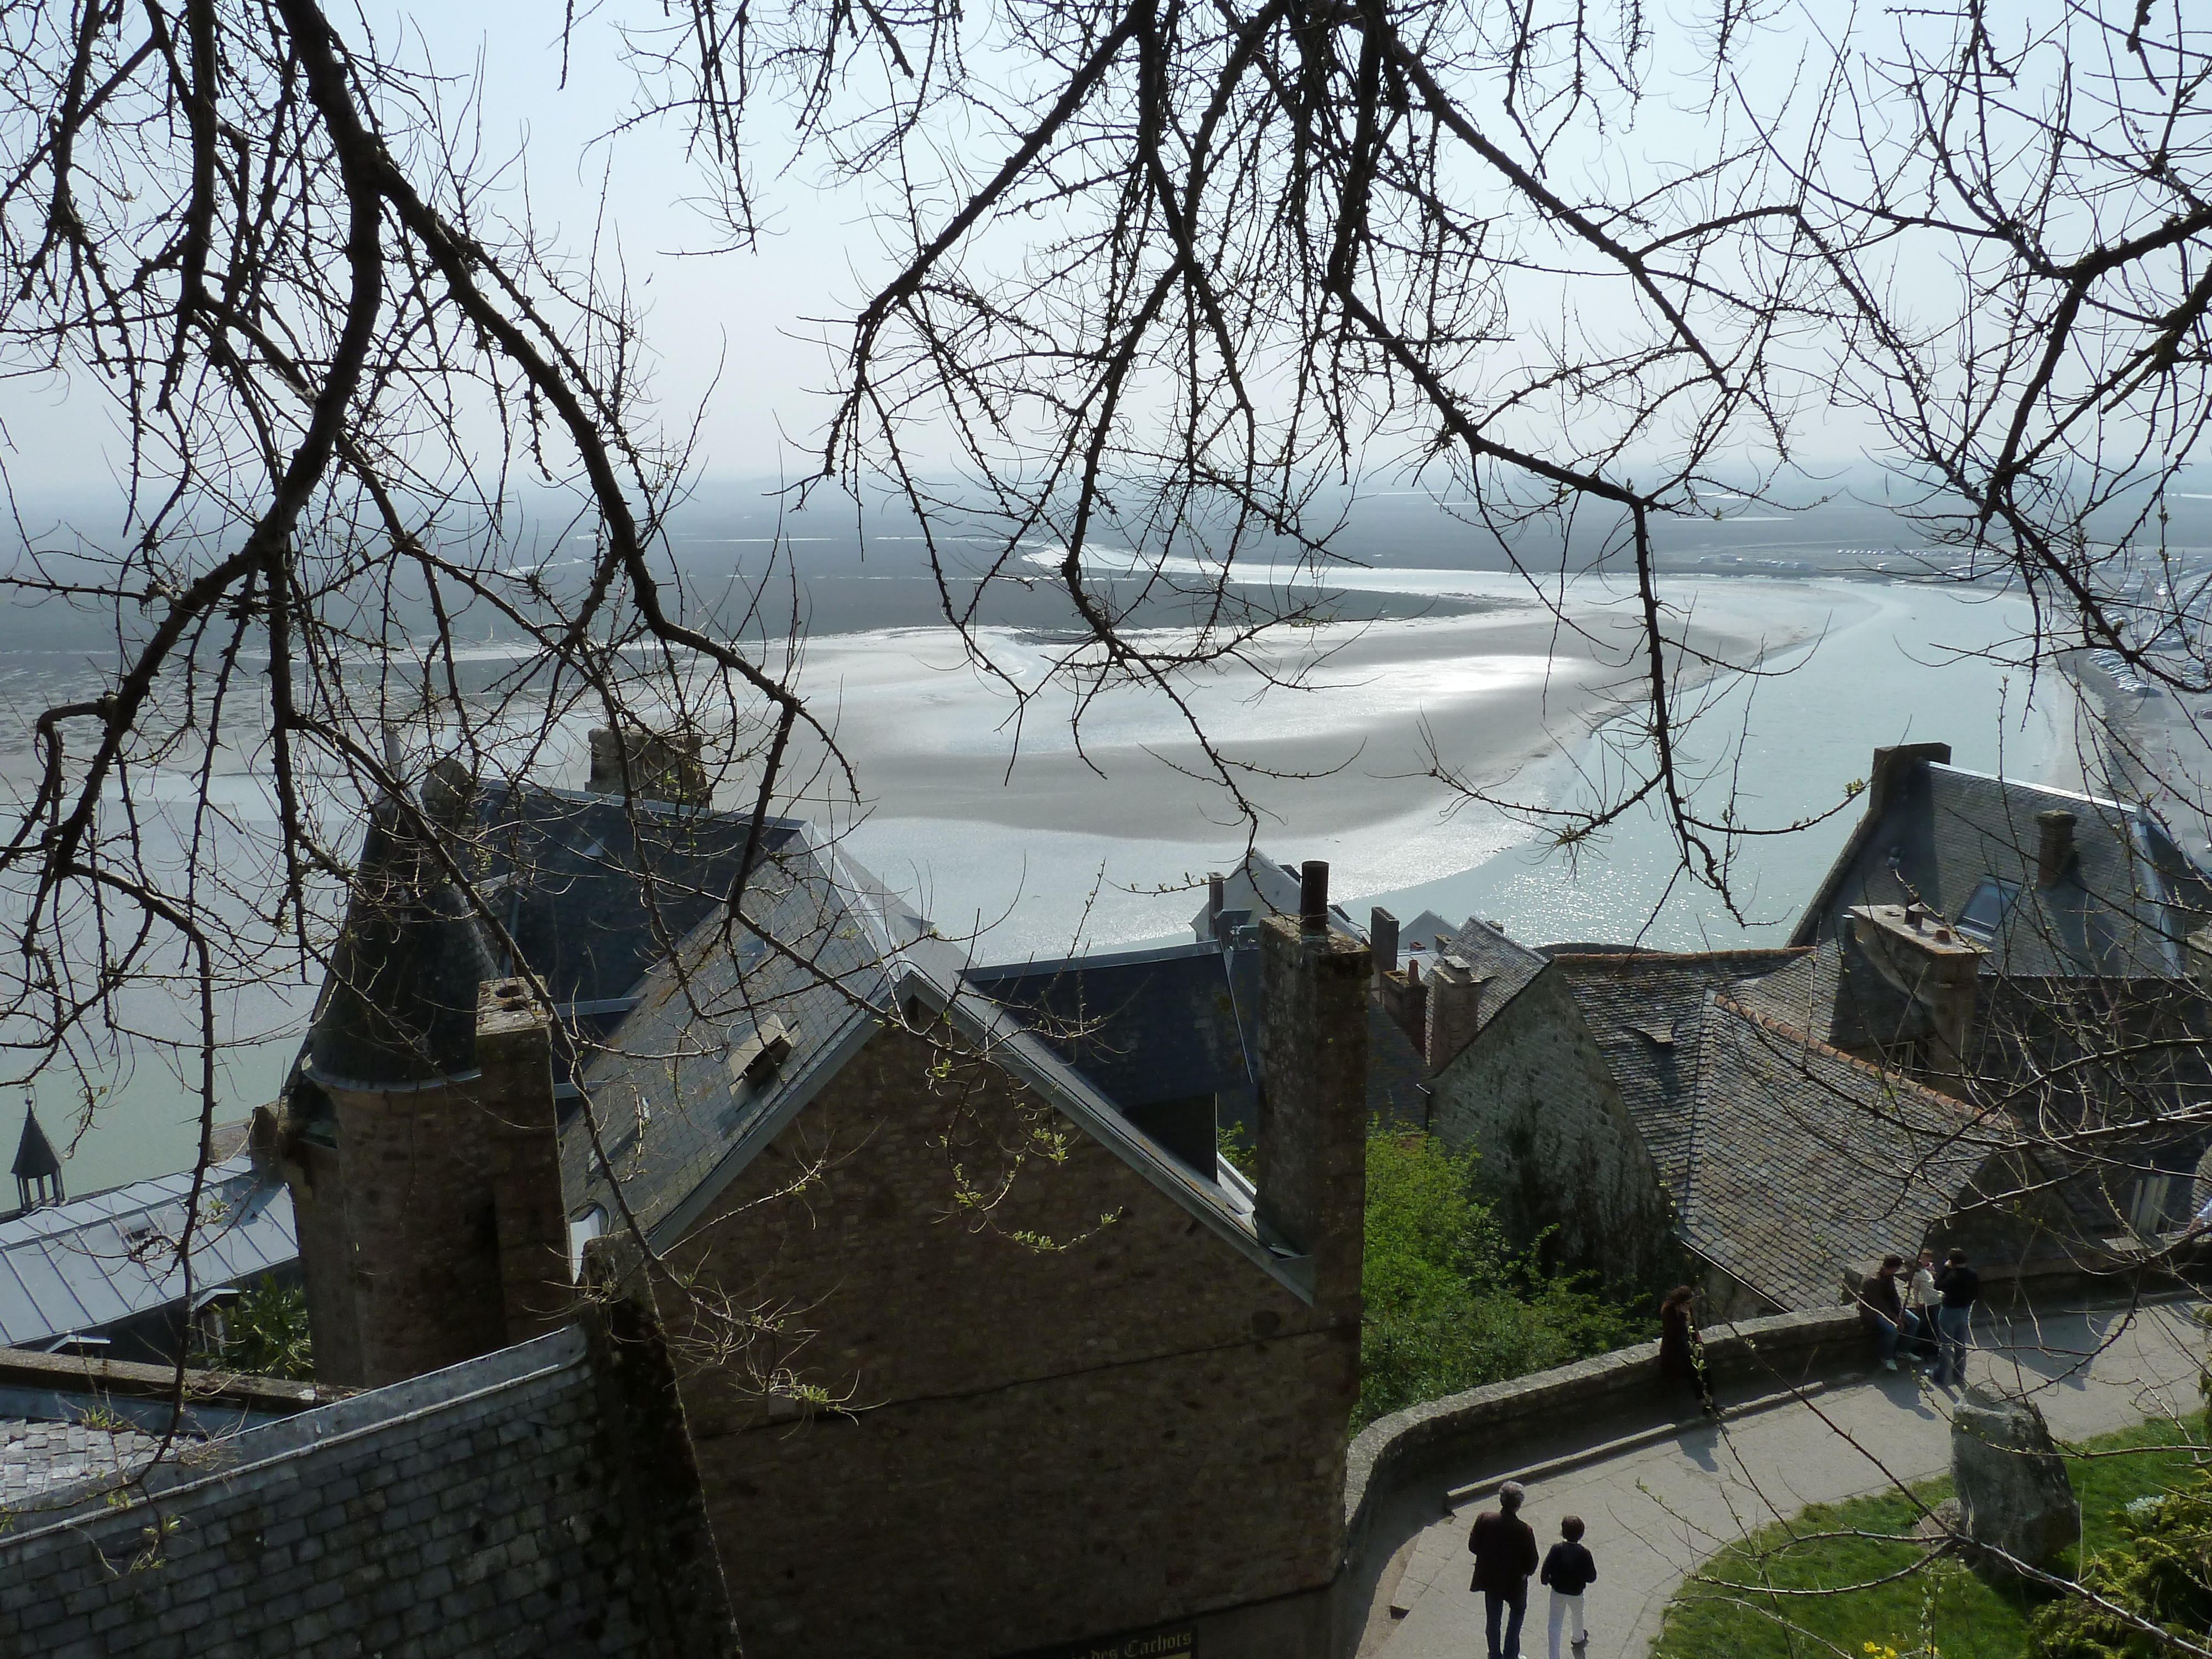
x=1569 y=1570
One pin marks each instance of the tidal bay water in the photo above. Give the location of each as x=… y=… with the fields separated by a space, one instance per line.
x=1926 y=664
x=1897 y=662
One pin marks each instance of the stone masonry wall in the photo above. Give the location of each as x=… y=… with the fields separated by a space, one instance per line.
x=470 y=1513
x=1038 y=1440
x=1558 y=1146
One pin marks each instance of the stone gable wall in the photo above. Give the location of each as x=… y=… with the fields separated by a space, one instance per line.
x=1559 y=1146
x=1035 y=1442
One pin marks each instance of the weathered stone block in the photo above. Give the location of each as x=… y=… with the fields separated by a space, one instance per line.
x=2012 y=1486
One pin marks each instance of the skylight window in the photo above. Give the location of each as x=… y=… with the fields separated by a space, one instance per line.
x=1986 y=912
x=582 y=1230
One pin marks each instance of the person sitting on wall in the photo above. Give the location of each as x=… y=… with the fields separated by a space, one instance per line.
x=1926 y=1298
x=1882 y=1309
x=1504 y=1547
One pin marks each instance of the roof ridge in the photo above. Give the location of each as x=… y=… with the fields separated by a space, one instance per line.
x=1687 y=956
x=1899 y=1079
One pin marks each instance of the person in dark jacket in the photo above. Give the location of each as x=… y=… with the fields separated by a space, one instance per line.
x=1882 y=1307
x=1961 y=1287
x=1504 y=1555
x=1682 y=1356
x=1569 y=1570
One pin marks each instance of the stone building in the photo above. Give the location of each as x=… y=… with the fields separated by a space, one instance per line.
x=1647 y=1111
x=1984 y=1033
x=2048 y=881
x=980 y=1347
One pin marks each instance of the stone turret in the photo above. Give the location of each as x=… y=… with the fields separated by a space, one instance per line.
x=420 y=1134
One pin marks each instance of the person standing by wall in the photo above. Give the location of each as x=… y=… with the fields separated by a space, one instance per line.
x=1570 y=1570
x=1961 y=1286
x=1882 y=1307
x=1505 y=1549
x=1682 y=1356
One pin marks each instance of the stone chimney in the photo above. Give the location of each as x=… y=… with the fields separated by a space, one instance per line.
x=1382 y=942
x=1906 y=993
x=514 y=1101
x=1401 y=995
x=649 y=766
x=2054 y=848
x=1893 y=766
x=1454 y=1009
x=1312 y=1153
x=2197 y=956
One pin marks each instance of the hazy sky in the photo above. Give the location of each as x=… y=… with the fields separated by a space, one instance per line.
x=741 y=333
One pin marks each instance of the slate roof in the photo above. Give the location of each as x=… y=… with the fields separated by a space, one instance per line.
x=1503 y=966
x=816 y=952
x=94 y=1262
x=592 y=890
x=1145 y=1026
x=1939 y=832
x=1787 y=1160
x=38 y=1458
x=832 y=957
x=1646 y=1011
x=1802 y=1162
x=1263 y=887
x=619 y=908
x=399 y=1005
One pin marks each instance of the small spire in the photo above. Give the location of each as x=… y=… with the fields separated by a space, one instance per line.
x=38 y=1172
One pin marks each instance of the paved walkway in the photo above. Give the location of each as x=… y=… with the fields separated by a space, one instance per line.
x=1655 y=1512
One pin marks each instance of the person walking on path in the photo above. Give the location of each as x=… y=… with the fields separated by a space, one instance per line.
x=1960 y=1286
x=1682 y=1356
x=1569 y=1570
x=1505 y=1549
x=1926 y=1299
x=1882 y=1309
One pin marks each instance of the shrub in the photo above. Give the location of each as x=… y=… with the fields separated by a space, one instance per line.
x=1451 y=1304
x=2159 y=1571
x=264 y=1334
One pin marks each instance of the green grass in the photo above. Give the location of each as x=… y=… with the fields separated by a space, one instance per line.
x=1936 y=1604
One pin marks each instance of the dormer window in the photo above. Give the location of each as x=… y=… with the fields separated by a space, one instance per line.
x=757 y=1059
x=1985 y=911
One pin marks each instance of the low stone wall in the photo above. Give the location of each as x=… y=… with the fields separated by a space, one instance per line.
x=1400 y=1459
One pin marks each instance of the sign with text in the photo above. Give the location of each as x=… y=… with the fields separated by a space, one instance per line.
x=1162 y=1642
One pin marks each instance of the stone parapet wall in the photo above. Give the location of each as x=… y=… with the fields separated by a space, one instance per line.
x=1399 y=1462
x=1418 y=1442
x=477 y=1510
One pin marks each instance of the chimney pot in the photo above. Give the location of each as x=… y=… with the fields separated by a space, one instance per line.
x=1213 y=900
x=1313 y=896
x=2054 y=848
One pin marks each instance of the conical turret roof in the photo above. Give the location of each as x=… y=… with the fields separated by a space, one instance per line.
x=34 y=1153
x=400 y=1006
